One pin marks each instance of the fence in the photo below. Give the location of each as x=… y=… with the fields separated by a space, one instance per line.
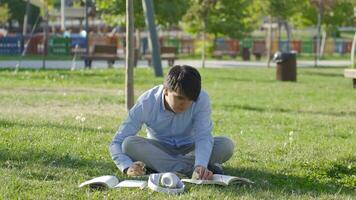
x=14 y=45
x=59 y=45
x=10 y=45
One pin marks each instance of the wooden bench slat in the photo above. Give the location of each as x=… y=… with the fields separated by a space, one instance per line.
x=167 y=53
x=102 y=52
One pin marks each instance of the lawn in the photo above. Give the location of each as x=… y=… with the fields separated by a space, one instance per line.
x=295 y=140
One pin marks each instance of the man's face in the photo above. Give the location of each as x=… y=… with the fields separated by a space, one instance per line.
x=177 y=103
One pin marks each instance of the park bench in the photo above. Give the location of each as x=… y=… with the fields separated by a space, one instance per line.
x=351 y=73
x=258 y=48
x=226 y=47
x=167 y=53
x=220 y=53
x=101 y=52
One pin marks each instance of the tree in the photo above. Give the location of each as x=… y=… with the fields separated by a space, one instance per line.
x=17 y=9
x=219 y=18
x=167 y=13
x=335 y=13
x=280 y=11
x=4 y=14
x=197 y=16
x=129 y=101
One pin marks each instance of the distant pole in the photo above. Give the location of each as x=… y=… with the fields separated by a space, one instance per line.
x=353 y=46
x=317 y=53
x=269 y=41
x=353 y=52
x=25 y=20
x=129 y=101
x=45 y=37
x=87 y=30
x=150 y=22
x=204 y=41
x=63 y=28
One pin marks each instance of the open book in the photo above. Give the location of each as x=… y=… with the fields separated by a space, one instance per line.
x=104 y=182
x=221 y=180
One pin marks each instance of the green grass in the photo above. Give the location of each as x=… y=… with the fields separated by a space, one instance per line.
x=295 y=140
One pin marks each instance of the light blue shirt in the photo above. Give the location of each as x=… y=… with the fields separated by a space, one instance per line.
x=193 y=126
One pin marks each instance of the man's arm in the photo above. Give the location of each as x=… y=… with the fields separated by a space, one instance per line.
x=203 y=127
x=129 y=127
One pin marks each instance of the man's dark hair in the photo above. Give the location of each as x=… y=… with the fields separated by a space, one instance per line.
x=184 y=80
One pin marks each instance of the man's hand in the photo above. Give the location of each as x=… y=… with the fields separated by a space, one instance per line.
x=202 y=173
x=136 y=169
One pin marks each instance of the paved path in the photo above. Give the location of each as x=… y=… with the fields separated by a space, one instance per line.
x=67 y=64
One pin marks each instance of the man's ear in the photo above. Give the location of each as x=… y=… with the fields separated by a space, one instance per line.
x=165 y=92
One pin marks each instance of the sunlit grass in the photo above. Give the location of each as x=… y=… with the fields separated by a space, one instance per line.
x=295 y=140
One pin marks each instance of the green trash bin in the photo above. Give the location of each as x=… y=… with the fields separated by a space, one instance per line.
x=307 y=47
x=59 y=46
x=172 y=42
x=246 y=45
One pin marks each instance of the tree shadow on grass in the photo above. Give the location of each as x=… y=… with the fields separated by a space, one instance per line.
x=325 y=74
x=50 y=125
x=28 y=158
x=249 y=80
x=286 y=184
x=283 y=110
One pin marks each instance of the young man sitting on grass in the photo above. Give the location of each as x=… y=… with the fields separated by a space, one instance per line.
x=177 y=118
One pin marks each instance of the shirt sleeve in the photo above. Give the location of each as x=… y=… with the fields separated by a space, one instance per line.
x=129 y=127
x=203 y=126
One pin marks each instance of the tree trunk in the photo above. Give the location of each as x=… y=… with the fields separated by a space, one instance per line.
x=137 y=46
x=288 y=31
x=25 y=20
x=45 y=38
x=63 y=28
x=279 y=34
x=153 y=40
x=317 y=53
x=129 y=55
x=269 y=42
x=204 y=40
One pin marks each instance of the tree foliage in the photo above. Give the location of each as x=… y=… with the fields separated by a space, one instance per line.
x=224 y=17
x=335 y=13
x=17 y=9
x=4 y=13
x=168 y=13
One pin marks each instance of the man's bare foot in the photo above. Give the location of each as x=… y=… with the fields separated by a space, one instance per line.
x=136 y=169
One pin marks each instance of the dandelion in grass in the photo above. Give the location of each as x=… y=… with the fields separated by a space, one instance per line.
x=81 y=119
x=290 y=139
x=241 y=132
x=99 y=129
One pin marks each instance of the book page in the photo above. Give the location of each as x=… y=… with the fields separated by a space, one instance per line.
x=230 y=179
x=107 y=181
x=219 y=180
x=204 y=181
x=223 y=178
x=132 y=183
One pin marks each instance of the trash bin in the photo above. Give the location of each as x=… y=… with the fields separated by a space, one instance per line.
x=286 y=66
x=245 y=54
